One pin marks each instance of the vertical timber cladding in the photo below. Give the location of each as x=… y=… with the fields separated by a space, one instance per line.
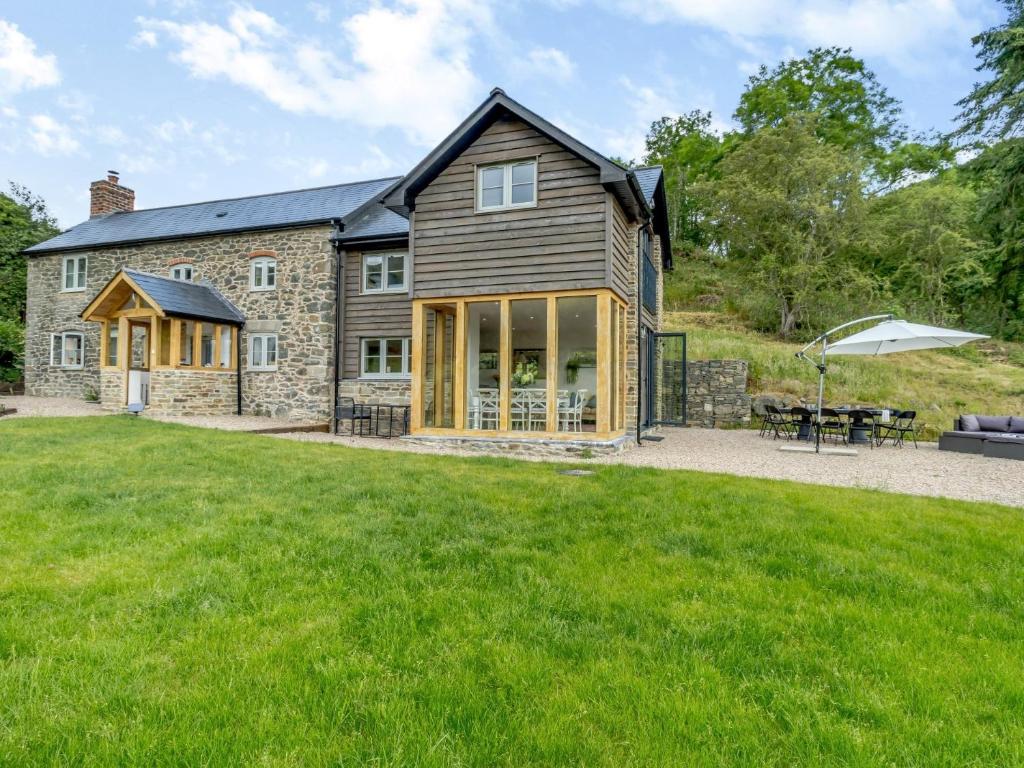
x=559 y=244
x=370 y=315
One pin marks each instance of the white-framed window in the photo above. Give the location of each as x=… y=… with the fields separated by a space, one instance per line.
x=263 y=351
x=509 y=185
x=67 y=349
x=385 y=272
x=263 y=274
x=73 y=274
x=385 y=358
x=182 y=272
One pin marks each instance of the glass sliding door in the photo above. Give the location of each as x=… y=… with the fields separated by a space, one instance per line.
x=483 y=364
x=577 y=363
x=528 y=407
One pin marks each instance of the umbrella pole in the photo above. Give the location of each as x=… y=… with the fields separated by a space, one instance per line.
x=821 y=394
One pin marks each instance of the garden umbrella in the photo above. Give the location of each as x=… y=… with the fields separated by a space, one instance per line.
x=890 y=335
x=899 y=336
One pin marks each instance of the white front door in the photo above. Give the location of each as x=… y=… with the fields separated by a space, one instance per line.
x=138 y=387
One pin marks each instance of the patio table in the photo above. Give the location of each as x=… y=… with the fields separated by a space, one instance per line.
x=859 y=432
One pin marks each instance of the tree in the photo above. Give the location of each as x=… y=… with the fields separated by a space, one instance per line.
x=926 y=247
x=687 y=149
x=991 y=121
x=854 y=110
x=788 y=206
x=24 y=221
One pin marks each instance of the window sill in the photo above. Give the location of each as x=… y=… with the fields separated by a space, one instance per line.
x=399 y=291
x=385 y=377
x=261 y=370
x=72 y=290
x=502 y=208
x=69 y=367
x=262 y=290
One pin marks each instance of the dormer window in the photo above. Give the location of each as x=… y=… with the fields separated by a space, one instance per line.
x=263 y=274
x=509 y=185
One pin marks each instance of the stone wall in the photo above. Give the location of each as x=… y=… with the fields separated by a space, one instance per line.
x=196 y=393
x=716 y=393
x=300 y=310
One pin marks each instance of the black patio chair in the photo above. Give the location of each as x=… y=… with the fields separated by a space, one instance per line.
x=858 y=419
x=831 y=423
x=349 y=409
x=902 y=424
x=776 y=424
x=802 y=421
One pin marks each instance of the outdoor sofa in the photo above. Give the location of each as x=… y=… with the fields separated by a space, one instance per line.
x=994 y=436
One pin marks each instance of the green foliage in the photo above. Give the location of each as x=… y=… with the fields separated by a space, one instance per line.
x=922 y=241
x=409 y=610
x=687 y=149
x=787 y=206
x=12 y=350
x=24 y=221
x=797 y=231
x=854 y=110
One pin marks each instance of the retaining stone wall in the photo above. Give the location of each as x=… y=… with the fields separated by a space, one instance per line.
x=716 y=393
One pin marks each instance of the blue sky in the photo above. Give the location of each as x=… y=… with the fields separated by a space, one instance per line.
x=194 y=100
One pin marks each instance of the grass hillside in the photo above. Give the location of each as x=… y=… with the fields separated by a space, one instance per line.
x=985 y=378
x=178 y=596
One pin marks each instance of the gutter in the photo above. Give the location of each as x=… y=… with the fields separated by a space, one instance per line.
x=238 y=378
x=640 y=383
x=339 y=312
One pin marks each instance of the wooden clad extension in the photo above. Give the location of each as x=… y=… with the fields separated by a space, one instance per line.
x=370 y=315
x=558 y=245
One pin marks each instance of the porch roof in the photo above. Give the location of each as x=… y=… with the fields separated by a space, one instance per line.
x=169 y=298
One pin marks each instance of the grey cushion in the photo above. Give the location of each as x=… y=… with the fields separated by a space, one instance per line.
x=994 y=423
x=1017 y=424
x=969 y=424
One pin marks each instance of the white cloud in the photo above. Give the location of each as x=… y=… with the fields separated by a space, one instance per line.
x=144 y=38
x=548 y=63
x=21 y=68
x=894 y=30
x=321 y=13
x=51 y=138
x=375 y=162
x=408 y=65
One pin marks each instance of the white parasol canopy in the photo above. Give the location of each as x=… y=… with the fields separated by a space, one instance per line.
x=899 y=336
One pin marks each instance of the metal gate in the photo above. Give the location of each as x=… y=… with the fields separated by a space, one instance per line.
x=664 y=386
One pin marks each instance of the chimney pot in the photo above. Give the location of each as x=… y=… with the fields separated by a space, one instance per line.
x=113 y=176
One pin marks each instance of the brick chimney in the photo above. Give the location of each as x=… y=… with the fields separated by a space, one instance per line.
x=107 y=196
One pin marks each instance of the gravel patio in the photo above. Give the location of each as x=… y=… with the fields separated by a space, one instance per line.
x=923 y=471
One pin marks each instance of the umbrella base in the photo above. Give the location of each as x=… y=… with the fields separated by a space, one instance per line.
x=823 y=451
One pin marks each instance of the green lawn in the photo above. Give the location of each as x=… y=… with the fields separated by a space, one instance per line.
x=179 y=596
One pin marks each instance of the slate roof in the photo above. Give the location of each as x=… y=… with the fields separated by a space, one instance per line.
x=377 y=222
x=200 y=301
x=273 y=211
x=648 y=178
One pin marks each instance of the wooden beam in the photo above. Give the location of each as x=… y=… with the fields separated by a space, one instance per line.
x=175 y=361
x=439 y=323
x=505 y=366
x=552 y=365
x=216 y=346
x=154 y=343
x=459 y=365
x=197 y=344
x=604 y=363
x=418 y=347
x=104 y=336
